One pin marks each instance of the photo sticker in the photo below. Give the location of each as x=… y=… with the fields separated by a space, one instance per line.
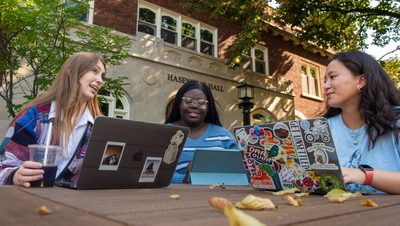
x=150 y=169
x=112 y=155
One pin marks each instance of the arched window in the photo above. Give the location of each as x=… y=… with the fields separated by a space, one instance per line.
x=113 y=107
x=168 y=29
x=147 y=21
x=188 y=36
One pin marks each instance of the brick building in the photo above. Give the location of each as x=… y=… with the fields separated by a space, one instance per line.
x=170 y=46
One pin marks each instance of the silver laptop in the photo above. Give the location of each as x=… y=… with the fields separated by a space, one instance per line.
x=291 y=154
x=129 y=154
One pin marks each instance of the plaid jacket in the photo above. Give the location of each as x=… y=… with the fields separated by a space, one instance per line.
x=30 y=127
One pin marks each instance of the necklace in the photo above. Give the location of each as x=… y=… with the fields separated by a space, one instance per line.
x=355 y=134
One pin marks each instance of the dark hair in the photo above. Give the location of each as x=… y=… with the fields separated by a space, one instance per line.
x=379 y=96
x=212 y=114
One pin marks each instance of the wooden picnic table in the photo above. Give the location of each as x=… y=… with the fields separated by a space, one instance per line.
x=18 y=206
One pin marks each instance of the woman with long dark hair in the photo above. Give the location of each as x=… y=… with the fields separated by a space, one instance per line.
x=194 y=107
x=363 y=115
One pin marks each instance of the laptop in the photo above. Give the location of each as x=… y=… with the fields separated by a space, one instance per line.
x=129 y=154
x=290 y=154
x=211 y=166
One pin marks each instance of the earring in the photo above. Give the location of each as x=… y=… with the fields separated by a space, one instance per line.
x=359 y=89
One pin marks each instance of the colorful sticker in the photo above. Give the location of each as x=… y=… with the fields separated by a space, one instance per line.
x=320 y=152
x=319 y=130
x=112 y=155
x=150 y=169
x=173 y=148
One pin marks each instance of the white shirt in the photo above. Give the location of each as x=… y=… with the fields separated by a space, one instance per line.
x=76 y=136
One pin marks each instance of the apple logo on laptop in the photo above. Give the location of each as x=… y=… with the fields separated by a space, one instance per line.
x=138 y=156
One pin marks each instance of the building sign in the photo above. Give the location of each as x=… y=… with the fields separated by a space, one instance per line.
x=181 y=79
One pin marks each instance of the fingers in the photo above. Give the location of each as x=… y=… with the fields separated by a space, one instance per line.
x=27 y=172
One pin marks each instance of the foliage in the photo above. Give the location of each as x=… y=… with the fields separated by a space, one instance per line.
x=337 y=24
x=391 y=67
x=37 y=36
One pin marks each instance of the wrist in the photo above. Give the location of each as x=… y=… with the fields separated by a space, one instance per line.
x=368 y=172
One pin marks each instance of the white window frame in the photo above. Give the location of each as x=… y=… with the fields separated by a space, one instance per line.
x=179 y=20
x=311 y=87
x=253 y=58
x=177 y=26
x=113 y=111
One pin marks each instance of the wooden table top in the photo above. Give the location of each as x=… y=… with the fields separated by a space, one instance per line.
x=155 y=207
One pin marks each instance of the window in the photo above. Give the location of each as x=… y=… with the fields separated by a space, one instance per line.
x=147 y=21
x=112 y=107
x=177 y=29
x=310 y=81
x=168 y=30
x=206 y=42
x=87 y=15
x=255 y=59
x=188 y=36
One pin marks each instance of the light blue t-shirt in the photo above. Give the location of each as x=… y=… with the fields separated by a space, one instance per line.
x=352 y=149
x=214 y=137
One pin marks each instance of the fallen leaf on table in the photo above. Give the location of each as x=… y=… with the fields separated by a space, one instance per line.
x=303 y=194
x=286 y=191
x=292 y=201
x=337 y=199
x=239 y=218
x=369 y=202
x=339 y=195
x=235 y=217
x=334 y=192
x=221 y=186
x=175 y=196
x=219 y=203
x=252 y=202
x=43 y=210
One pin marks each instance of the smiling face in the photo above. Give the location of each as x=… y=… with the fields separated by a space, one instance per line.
x=92 y=81
x=193 y=112
x=342 y=88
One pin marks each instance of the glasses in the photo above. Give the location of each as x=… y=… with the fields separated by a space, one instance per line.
x=200 y=103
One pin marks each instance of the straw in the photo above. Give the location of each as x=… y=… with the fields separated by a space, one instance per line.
x=47 y=141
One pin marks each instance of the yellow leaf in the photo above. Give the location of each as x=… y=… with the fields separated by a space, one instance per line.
x=239 y=218
x=369 y=202
x=286 y=191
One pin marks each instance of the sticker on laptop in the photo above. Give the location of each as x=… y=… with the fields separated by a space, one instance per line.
x=150 y=169
x=173 y=147
x=112 y=155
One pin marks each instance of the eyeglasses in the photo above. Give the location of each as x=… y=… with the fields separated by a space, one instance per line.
x=200 y=103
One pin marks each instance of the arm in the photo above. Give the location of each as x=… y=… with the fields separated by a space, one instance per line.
x=387 y=181
x=16 y=169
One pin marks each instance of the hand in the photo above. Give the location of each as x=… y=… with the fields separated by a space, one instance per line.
x=353 y=175
x=27 y=172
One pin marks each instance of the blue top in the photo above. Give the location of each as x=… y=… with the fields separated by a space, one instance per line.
x=214 y=137
x=352 y=149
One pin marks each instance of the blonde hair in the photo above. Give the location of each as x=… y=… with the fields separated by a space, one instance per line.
x=65 y=91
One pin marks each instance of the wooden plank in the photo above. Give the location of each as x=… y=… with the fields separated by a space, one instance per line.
x=20 y=208
x=383 y=216
x=154 y=207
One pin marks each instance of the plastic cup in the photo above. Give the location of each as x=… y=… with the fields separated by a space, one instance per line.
x=48 y=156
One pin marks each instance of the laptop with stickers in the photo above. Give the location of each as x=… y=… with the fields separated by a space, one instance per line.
x=129 y=154
x=291 y=154
x=211 y=166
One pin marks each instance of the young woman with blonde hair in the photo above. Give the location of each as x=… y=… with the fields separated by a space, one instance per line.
x=71 y=105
